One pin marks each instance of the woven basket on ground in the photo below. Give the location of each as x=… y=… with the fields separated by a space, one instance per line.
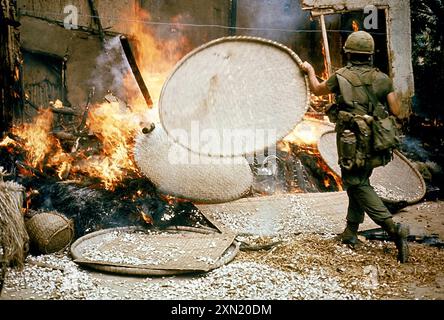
x=177 y=171
x=50 y=231
x=175 y=250
x=395 y=182
x=239 y=86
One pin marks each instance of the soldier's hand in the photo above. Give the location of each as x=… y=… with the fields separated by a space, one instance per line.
x=307 y=67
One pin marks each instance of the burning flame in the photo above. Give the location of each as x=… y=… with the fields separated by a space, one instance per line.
x=355 y=26
x=7 y=142
x=155 y=57
x=38 y=142
x=305 y=136
x=114 y=125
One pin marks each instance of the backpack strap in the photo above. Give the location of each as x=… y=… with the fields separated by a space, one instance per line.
x=374 y=101
x=350 y=76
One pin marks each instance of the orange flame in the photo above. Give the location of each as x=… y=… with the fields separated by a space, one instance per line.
x=113 y=124
x=305 y=136
x=38 y=141
x=155 y=58
x=355 y=26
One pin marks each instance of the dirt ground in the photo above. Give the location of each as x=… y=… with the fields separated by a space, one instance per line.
x=305 y=266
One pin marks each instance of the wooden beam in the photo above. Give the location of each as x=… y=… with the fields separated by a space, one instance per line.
x=135 y=69
x=326 y=46
x=233 y=17
x=11 y=92
x=96 y=19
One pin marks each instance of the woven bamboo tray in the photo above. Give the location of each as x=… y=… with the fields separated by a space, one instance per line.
x=176 y=250
x=177 y=171
x=395 y=182
x=243 y=86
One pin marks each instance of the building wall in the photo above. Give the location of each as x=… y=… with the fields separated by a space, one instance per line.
x=80 y=49
x=42 y=32
x=214 y=13
x=116 y=16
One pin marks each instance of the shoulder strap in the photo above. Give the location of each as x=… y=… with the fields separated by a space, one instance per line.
x=350 y=76
x=371 y=96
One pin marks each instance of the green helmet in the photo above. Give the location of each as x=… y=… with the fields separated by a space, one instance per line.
x=360 y=42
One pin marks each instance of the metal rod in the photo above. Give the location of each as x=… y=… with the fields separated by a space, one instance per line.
x=326 y=47
x=135 y=69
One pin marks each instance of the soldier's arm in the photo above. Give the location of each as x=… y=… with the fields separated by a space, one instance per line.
x=318 y=88
x=394 y=104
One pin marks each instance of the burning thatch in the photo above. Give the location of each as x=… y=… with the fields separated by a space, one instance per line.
x=13 y=236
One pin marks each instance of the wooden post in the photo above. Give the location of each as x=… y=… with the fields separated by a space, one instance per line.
x=136 y=71
x=11 y=92
x=326 y=47
x=233 y=17
x=96 y=19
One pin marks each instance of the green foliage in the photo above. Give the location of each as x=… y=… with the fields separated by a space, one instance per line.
x=428 y=56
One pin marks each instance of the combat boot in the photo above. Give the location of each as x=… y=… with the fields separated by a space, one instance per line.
x=350 y=234
x=399 y=234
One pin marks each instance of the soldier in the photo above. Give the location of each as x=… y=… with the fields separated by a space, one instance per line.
x=358 y=85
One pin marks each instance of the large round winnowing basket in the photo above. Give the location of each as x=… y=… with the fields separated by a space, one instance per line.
x=245 y=92
x=176 y=250
x=395 y=182
x=50 y=231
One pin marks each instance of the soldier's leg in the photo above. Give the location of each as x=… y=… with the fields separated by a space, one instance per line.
x=355 y=212
x=370 y=202
x=355 y=216
x=368 y=199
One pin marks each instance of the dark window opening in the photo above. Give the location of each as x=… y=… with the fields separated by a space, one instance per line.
x=43 y=80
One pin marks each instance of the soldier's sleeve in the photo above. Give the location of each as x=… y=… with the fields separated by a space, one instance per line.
x=384 y=85
x=333 y=84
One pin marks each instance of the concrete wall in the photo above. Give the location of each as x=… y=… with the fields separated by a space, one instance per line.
x=398 y=35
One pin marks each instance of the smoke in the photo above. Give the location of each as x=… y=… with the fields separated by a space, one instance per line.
x=277 y=14
x=413 y=148
x=111 y=69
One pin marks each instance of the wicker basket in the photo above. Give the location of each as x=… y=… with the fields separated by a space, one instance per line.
x=50 y=232
x=398 y=181
x=205 y=181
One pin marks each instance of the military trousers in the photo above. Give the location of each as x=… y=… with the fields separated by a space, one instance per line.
x=362 y=197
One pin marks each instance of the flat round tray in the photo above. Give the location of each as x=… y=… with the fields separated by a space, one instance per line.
x=137 y=251
x=395 y=182
x=177 y=171
x=245 y=93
